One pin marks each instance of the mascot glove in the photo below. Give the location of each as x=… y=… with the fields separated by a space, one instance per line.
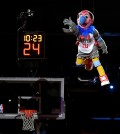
x=68 y=22
x=104 y=51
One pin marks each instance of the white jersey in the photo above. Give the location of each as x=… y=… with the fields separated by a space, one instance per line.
x=86 y=46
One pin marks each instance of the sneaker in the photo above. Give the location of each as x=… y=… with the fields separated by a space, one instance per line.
x=104 y=80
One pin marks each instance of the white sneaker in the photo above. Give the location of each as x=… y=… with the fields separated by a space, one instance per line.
x=104 y=80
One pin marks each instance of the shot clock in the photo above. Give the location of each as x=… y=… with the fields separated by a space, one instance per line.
x=31 y=45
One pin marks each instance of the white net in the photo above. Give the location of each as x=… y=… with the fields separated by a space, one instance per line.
x=28 y=120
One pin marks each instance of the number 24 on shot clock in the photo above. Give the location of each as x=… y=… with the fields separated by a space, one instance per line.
x=31 y=45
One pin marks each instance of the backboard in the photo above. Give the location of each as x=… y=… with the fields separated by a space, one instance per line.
x=46 y=95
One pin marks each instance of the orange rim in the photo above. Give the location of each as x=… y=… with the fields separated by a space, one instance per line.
x=28 y=112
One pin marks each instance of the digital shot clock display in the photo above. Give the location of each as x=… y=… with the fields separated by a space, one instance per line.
x=31 y=45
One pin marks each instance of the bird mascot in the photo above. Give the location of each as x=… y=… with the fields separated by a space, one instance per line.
x=88 y=41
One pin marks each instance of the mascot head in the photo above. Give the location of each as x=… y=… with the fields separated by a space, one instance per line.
x=85 y=18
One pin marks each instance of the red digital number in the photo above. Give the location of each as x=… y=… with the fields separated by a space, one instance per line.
x=36 y=48
x=29 y=46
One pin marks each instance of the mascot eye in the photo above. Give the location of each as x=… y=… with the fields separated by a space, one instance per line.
x=86 y=16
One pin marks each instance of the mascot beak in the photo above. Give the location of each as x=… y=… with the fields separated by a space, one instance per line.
x=82 y=20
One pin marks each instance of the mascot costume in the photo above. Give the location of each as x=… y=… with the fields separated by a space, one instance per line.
x=88 y=41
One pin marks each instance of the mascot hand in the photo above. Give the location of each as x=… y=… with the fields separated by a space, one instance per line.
x=68 y=22
x=72 y=26
x=104 y=51
x=65 y=30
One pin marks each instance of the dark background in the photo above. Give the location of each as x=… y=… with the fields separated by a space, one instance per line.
x=60 y=48
x=91 y=98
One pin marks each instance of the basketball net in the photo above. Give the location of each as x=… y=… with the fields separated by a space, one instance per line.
x=28 y=119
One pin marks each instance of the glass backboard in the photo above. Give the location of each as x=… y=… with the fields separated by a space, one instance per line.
x=46 y=95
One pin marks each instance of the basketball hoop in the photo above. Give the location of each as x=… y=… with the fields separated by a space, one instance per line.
x=28 y=119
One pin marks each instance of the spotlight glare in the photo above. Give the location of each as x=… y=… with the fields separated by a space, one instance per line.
x=111 y=86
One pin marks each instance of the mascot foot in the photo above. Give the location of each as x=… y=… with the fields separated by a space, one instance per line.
x=104 y=80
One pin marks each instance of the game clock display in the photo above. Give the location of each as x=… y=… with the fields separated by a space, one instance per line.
x=31 y=45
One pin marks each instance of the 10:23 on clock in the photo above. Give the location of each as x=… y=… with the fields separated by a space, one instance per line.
x=32 y=42
x=31 y=45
